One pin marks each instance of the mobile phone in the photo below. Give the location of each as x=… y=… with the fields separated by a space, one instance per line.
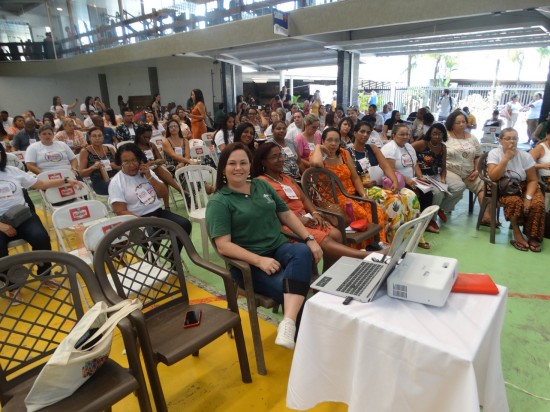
x=192 y=318
x=87 y=335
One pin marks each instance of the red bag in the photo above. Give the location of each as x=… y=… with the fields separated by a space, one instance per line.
x=359 y=225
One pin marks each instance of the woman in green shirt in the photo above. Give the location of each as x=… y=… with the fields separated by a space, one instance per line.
x=244 y=218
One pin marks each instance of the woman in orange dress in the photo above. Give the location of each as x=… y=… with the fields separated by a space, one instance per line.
x=330 y=156
x=268 y=165
x=198 y=114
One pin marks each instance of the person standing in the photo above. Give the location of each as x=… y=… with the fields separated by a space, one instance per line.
x=513 y=108
x=197 y=114
x=533 y=116
x=445 y=105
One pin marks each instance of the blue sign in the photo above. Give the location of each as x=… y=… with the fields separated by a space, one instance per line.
x=280 y=22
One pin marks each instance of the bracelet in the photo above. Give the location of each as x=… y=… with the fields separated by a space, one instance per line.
x=316 y=212
x=150 y=177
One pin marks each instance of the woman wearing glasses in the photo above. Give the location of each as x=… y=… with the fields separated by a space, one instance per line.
x=137 y=190
x=526 y=207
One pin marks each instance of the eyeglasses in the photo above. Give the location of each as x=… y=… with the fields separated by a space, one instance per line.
x=510 y=138
x=130 y=162
x=276 y=156
x=173 y=126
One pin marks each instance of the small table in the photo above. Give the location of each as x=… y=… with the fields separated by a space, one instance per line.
x=393 y=355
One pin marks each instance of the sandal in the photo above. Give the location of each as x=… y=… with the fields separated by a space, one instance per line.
x=424 y=245
x=442 y=215
x=519 y=246
x=488 y=224
x=535 y=247
x=432 y=227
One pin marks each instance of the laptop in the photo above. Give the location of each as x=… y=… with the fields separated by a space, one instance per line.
x=360 y=279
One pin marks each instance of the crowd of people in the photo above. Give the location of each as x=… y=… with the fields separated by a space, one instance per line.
x=403 y=166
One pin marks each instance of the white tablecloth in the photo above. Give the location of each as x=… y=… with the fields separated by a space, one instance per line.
x=392 y=355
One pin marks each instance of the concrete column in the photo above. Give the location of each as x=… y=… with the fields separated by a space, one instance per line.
x=347 y=79
x=291 y=86
x=281 y=79
x=231 y=84
x=546 y=99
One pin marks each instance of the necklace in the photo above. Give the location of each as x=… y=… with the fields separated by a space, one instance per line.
x=332 y=157
x=456 y=136
x=272 y=178
x=104 y=154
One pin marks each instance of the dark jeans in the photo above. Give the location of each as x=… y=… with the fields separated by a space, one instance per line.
x=180 y=220
x=31 y=231
x=296 y=261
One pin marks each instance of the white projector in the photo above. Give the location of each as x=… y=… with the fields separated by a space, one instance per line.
x=423 y=278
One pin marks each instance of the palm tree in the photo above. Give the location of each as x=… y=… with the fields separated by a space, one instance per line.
x=517 y=56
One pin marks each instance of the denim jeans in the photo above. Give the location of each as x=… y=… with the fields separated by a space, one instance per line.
x=294 y=277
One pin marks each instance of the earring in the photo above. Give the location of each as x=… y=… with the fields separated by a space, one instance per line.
x=224 y=179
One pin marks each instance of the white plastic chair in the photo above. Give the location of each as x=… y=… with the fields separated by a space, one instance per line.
x=66 y=217
x=207 y=138
x=123 y=143
x=15 y=161
x=196 y=142
x=194 y=179
x=157 y=141
x=95 y=232
x=19 y=154
x=66 y=193
x=19 y=243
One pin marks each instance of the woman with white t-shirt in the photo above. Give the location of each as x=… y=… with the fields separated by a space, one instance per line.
x=48 y=154
x=136 y=189
x=513 y=108
x=156 y=128
x=87 y=106
x=226 y=133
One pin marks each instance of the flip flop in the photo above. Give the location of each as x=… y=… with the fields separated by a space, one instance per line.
x=488 y=224
x=535 y=248
x=519 y=246
x=424 y=245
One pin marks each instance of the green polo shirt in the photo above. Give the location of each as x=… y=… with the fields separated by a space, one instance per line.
x=251 y=220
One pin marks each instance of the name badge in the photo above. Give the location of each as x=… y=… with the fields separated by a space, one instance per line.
x=311 y=146
x=364 y=163
x=289 y=192
x=288 y=152
x=31 y=141
x=149 y=154
x=107 y=165
x=144 y=196
x=131 y=131
x=70 y=143
x=179 y=151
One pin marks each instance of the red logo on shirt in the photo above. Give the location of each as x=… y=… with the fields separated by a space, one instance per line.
x=79 y=213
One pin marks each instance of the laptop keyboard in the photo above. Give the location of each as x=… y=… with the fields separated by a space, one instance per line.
x=360 y=278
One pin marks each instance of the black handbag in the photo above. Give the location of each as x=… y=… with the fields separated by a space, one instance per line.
x=508 y=186
x=16 y=215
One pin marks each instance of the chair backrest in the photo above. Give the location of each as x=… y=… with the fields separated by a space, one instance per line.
x=19 y=154
x=110 y=146
x=15 y=161
x=148 y=265
x=207 y=138
x=32 y=328
x=490 y=186
x=320 y=185
x=66 y=217
x=157 y=141
x=64 y=193
x=95 y=232
x=198 y=152
x=194 y=180
x=124 y=142
x=196 y=142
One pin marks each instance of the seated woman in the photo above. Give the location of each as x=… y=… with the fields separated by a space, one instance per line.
x=175 y=147
x=156 y=128
x=402 y=158
x=268 y=165
x=68 y=134
x=154 y=160
x=527 y=206
x=98 y=162
x=292 y=161
x=330 y=155
x=345 y=127
x=387 y=130
x=400 y=206
x=136 y=189
x=307 y=139
x=432 y=154
x=13 y=181
x=226 y=132
x=244 y=219
x=463 y=153
x=541 y=154
x=48 y=154
x=246 y=134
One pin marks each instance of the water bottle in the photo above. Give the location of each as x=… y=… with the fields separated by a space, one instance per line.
x=349 y=211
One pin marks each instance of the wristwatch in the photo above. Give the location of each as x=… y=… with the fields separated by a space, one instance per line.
x=66 y=180
x=529 y=197
x=308 y=238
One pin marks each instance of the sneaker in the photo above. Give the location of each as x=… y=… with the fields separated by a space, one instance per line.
x=442 y=216
x=285 y=333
